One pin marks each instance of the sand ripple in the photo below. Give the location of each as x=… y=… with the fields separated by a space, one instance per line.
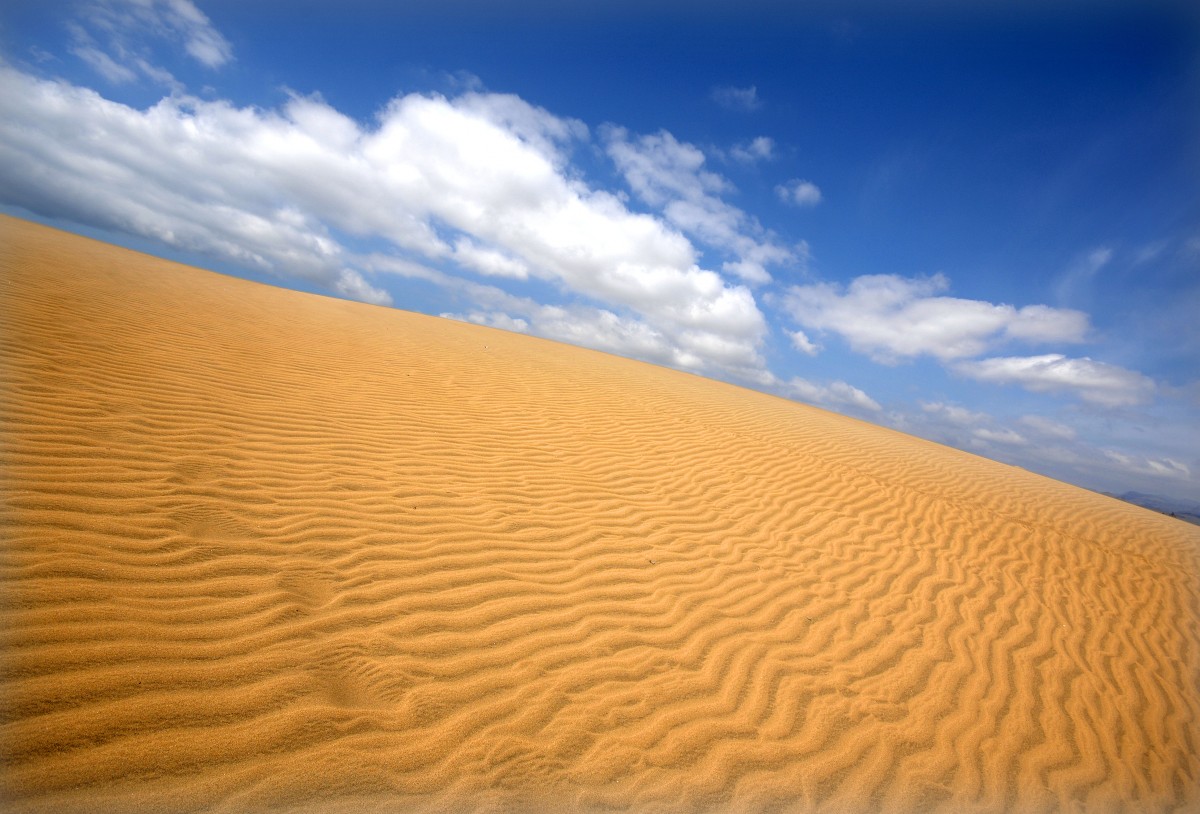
x=265 y=550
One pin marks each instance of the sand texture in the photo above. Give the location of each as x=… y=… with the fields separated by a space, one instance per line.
x=264 y=550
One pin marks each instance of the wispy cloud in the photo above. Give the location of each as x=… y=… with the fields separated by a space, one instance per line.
x=1002 y=436
x=1073 y=284
x=1096 y=382
x=1048 y=428
x=103 y=64
x=114 y=37
x=670 y=175
x=1149 y=252
x=735 y=98
x=1142 y=465
x=893 y=318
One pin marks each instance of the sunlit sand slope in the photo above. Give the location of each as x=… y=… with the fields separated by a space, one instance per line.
x=266 y=550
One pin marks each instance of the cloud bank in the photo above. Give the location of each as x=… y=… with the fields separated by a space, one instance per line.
x=480 y=195
x=479 y=182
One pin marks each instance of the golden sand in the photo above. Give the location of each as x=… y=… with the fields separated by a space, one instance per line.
x=265 y=550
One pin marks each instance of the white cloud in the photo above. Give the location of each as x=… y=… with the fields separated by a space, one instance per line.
x=748 y=270
x=892 y=318
x=1075 y=282
x=103 y=64
x=1149 y=252
x=802 y=343
x=661 y=169
x=964 y=428
x=354 y=286
x=41 y=55
x=1095 y=382
x=1048 y=428
x=670 y=175
x=799 y=192
x=1141 y=465
x=1041 y=323
x=955 y=414
x=1078 y=454
x=759 y=149
x=803 y=255
x=1098 y=258
x=488 y=261
x=837 y=394
x=735 y=98
x=114 y=37
x=481 y=179
x=1001 y=436
x=603 y=329
x=1169 y=467
x=201 y=40
x=492 y=319
x=535 y=126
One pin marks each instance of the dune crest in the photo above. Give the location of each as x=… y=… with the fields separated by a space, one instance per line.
x=265 y=550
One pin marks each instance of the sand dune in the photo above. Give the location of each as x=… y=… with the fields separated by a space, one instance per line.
x=265 y=550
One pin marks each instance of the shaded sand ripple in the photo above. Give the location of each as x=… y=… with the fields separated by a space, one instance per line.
x=264 y=550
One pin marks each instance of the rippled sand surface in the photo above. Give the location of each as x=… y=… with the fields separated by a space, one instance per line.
x=264 y=550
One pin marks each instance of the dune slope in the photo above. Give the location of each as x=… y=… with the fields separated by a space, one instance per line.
x=264 y=550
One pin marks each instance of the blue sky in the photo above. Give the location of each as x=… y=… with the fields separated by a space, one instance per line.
x=978 y=227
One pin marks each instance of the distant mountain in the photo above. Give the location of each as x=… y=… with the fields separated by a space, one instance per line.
x=1182 y=509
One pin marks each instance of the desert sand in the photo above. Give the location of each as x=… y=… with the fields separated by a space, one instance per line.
x=266 y=550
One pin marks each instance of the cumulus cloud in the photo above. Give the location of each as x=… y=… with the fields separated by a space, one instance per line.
x=799 y=192
x=836 y=395
x=892 y=318
x=352 y=285
x=488 y=261
x=802 y=343
x=954 y=413
x=1095 y=382
x=660 y=169
x=492 y=319
x=481 y=180
x=735 y=98
x=670 y=175
x=759 y=149
x=603 y=329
